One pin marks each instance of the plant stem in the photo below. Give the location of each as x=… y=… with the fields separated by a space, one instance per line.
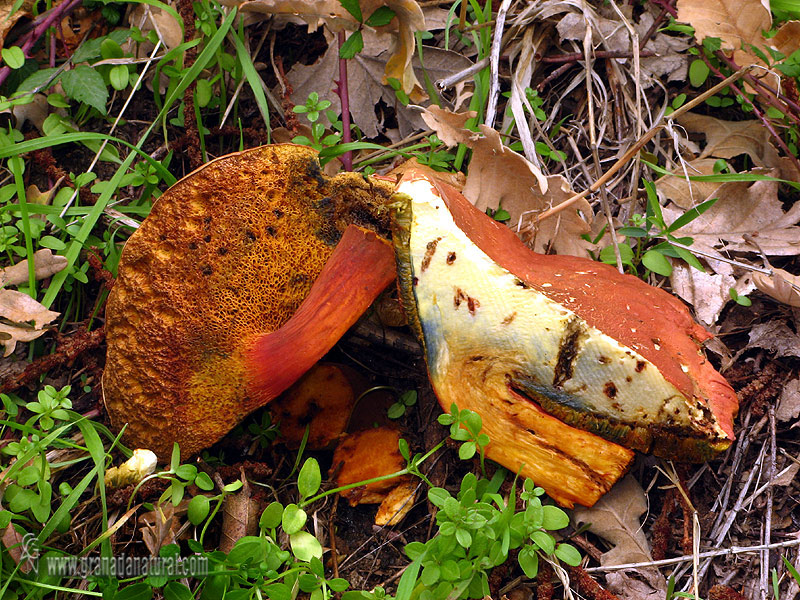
x=344 y=98
x=399 y=473
x=55 y=15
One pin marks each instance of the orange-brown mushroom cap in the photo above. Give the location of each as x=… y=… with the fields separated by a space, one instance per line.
x=227 y=254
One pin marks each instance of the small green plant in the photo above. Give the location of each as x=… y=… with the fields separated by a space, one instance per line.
x=406 y=400
x=652 y=226
x=477 y=530
x=465 y=426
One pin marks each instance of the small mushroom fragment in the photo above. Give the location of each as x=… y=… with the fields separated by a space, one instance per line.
x=213 y=313
x=368 y=454
x=322 y=401
x=569 y=363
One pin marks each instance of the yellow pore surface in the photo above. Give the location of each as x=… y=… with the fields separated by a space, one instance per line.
x=227 y=253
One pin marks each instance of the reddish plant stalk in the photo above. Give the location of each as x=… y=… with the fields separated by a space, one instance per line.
x=760 y=115
x=56 y=14
x=344 y=99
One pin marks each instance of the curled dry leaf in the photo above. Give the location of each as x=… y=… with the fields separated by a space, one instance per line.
x=409 y=19
x=500 y=178
x=240 y=512
x=151 y=18
x=781 y=285
x=708 y=293
x=615 y=518
x=687 y=193
x=21 y=310
x=746 y=208
x=10 y=13
x=738 y=23
x=365 y=73
x=727 y=139
x=789 y=402
x=455 y=180
x=45 y=264
x=162 y=526
x=137 y=467
x=775 y=336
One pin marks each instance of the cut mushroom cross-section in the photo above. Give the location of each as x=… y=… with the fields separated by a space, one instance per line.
x=555 y=353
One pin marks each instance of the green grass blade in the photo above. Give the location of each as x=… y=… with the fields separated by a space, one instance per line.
x=73 y=252
x=80 y=137
x=253 y=79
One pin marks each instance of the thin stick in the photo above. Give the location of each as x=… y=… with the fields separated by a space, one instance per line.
x=732 y=551
x=768 y=511
x=632 y=151
x=494 y=90
x=344 y=99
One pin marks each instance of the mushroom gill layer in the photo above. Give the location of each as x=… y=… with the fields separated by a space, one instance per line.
x=228 y=253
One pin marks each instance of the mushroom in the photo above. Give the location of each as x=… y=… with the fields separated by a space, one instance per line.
x=213 y=313
x=570 y=364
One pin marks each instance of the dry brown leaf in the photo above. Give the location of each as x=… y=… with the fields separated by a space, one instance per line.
x=746 y=208
x=708 y=293
x=9 y=16
x=455 y=180
x=35 y=112
x=45 y=264
x=161 y=526
x=789 y=403
x=499 y=177
x=781 y=285
x=365 y=83
x=727 y=139
x=687 y=193
x=775 y=336
x=21 y=309
x=736 y=22
x=450 y=126
x=240 y=512
x=14 y=543
x=149 y=18
x=615 y=518
x=409 y=20
x=560 y=234
x=787 y=40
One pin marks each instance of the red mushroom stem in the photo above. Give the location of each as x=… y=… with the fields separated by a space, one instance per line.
x=361 y=266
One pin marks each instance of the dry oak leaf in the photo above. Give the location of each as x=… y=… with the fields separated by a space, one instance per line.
x=787 y=40
x=20 y=309
x=789 y=403
x=10 y=14
x=500 y=178
x=151 y=18
x=775 y=336
x=738 y=23
x=45 y=264
x=615 y=518
x=727 y=139
x=408 y=20
x=746 y=208
x=781 y=285
x=687 y=193
x=708 y=293
x=365 y=72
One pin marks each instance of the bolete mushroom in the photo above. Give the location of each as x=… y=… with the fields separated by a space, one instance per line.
x=570 y=364
x=205 y=322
